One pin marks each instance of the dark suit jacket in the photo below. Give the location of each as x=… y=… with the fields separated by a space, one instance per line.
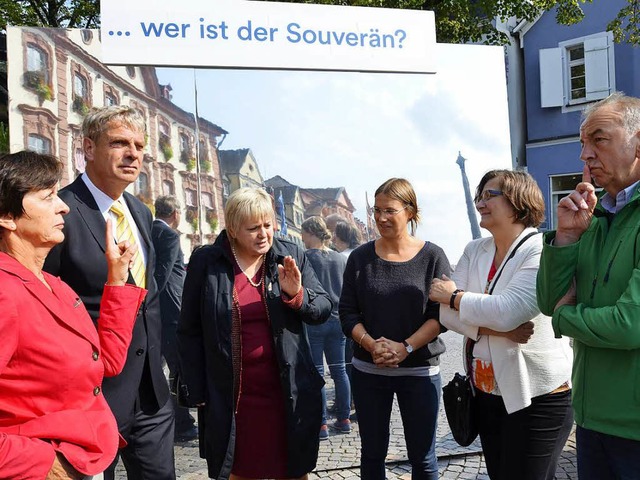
x=81 y=263
x=169 y=273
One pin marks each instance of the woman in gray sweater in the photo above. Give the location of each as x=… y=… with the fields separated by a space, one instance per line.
x=385 y=308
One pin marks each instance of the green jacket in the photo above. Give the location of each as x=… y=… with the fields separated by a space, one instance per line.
x=605 y=323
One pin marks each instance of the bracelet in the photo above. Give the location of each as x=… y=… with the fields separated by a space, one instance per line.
x=455 y=293
x=362 y=338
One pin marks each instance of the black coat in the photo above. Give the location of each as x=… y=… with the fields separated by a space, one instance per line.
x=169 y=274
x=79 y=260
x=204 y=345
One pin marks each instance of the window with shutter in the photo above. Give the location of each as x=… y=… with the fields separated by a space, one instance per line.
x=578 y=71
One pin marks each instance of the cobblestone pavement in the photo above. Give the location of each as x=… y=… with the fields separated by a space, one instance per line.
x=339 y=456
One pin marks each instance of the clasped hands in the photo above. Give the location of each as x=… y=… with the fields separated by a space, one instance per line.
x=388 y=353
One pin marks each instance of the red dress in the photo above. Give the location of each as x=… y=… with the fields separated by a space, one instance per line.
x=261 y=439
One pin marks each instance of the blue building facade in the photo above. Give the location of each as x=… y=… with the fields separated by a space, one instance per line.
x=567 y=68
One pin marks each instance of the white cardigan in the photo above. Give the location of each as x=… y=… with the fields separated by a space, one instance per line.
x=522 y=371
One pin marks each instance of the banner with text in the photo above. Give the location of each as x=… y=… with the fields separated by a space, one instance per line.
x=257 y=34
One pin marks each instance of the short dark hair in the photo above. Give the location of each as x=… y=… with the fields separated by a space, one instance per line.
x=521 y=191
x=349 y=234
x=166 y=205
x=24 y=172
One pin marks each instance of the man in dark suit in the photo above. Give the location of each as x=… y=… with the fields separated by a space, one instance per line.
x=170 y=273
x=114 y=140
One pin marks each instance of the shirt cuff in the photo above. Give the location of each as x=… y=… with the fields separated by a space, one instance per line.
x=294 y=302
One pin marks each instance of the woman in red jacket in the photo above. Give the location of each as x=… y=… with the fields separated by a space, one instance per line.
x=54 y=420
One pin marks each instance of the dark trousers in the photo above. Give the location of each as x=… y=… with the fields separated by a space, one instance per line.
x=418 y=399
x=525 y=444
x=603 y=457
x=149 y=451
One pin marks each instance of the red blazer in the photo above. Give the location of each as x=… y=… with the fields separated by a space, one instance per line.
x=52 y=362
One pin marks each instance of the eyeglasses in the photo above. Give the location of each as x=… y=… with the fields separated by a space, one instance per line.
x=387 y=212
x=488 y=195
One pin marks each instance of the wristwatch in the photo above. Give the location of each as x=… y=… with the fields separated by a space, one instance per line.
x=408 y=346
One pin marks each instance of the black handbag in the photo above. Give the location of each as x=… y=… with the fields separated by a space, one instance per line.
x=459 y=395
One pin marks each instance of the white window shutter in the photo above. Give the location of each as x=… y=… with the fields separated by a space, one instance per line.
x=596 y=63
x=551 y=81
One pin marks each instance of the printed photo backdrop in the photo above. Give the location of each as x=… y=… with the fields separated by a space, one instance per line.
x=314 y=129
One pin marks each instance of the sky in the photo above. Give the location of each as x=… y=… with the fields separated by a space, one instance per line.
x=356 y=130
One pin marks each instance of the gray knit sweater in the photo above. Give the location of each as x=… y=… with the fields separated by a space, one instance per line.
x=391 y=299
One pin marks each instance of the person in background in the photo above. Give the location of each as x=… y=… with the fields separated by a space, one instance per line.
x=113 y=143
x=327 y=337
x=346 y=238
x=590 y=284
x=520 y=372
x=332 y=220
x=385 y=309
x=245 y=360
x=169 y=274
x=54 y=420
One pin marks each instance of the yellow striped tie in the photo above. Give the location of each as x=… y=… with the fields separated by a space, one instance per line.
x=124 y=232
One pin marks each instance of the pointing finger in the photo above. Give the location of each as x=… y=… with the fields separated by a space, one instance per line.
x=586 y=174
x=108 y=240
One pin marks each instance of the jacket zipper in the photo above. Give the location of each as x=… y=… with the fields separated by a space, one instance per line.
x=615 y=253
x=606 y=275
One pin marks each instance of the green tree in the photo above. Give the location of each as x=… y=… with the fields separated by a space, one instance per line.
x=457 y=21
x=461 y=21
x=50 y=13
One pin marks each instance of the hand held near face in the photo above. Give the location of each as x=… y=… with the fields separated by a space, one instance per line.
x=119 y=258
x=290 y=277
x=576 y=210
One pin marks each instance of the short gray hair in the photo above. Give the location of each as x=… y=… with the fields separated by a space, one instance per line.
x=166 y=206
x=629 y=107
x=247 y=204
x=98 y=119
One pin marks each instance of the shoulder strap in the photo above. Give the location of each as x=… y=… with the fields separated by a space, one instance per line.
x=513 y=252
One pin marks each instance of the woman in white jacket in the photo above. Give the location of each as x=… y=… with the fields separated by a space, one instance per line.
x=523 y=390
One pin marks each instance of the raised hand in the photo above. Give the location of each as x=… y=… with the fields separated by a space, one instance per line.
x=290 y=276
x=119 y=258
x=576 y=210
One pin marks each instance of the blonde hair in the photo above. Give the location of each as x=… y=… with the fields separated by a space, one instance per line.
x=401 y=190
x=247 y=204
x=99 y=119
x=317 y=227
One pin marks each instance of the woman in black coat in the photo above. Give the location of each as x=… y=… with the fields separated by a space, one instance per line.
x=244 y=355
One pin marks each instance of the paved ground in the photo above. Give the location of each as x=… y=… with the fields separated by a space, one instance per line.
x=339 y=456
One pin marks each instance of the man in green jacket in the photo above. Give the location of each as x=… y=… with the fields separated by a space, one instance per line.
x=589 y=282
